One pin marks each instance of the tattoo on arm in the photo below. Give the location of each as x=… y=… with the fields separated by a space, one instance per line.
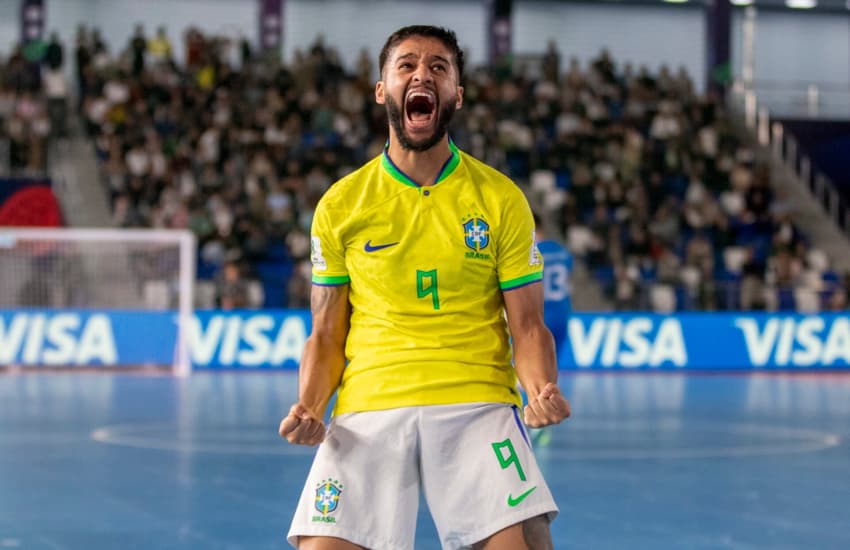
x=319 y=298
x=330 y=308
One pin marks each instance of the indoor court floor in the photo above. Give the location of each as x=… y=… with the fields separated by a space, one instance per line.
x=655 y=461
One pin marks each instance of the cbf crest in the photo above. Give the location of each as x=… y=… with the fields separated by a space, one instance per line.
x=476 y=232
x=328 y=493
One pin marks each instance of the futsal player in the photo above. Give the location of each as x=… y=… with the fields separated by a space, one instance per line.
x=416 y=255
x=557 y=287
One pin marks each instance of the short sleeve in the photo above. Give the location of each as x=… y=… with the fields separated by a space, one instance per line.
x=327 y=253
x=519 y=261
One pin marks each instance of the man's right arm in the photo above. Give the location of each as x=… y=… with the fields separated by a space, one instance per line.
x=321 y=365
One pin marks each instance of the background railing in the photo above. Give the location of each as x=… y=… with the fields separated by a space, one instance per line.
x=761 y=106
x=788 y=99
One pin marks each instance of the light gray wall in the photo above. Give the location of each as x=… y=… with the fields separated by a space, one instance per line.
x=791 y=47
x=644 y=35
x=348 y=25
x=9 y=25
x=355 y=25
x=116 y=19
x=796 y=48
x=631 y=33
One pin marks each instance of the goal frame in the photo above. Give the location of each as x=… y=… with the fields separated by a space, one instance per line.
x=184 y=239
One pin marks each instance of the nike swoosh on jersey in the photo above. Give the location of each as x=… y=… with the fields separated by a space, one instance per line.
x=374 y=248
x=514 y=501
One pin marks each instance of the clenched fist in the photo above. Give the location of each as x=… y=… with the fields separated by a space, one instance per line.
x=546 y=408
x=302 y=427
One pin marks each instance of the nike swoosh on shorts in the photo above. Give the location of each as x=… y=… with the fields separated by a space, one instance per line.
x=514 y=501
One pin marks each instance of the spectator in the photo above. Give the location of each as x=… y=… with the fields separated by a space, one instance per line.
x=56 y=90
x=54 y=56
x=138 y=47
x=551 y=65
x=231 y=287
x=159 y=47
x=753 y=290
x=837 y=300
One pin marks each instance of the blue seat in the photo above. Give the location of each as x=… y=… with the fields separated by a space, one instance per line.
x=786 y=300
x=274 y=275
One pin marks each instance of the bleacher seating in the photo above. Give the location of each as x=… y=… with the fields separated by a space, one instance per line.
x=643 y=176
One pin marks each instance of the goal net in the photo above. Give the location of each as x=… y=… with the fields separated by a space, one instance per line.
x=96 y=297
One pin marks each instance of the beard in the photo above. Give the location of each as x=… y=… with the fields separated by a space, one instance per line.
x=396 y=118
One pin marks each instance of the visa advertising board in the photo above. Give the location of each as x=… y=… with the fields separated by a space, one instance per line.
x=275 y=340
x=247 y=339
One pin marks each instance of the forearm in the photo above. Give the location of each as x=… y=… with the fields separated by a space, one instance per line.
x=534 y=348
x=320 y=372
x=324 y=353
x=535 y=359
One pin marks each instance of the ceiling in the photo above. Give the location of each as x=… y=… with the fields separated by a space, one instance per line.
x=823 y=6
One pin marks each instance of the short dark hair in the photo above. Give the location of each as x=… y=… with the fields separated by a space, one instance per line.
x=446 y=36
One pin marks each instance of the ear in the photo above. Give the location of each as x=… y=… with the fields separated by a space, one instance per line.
x=459 y=103
x=379 y=93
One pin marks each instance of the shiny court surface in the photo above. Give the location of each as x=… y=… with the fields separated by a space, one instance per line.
x=656 y=461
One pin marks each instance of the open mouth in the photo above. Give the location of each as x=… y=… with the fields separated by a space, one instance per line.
x=420 y=108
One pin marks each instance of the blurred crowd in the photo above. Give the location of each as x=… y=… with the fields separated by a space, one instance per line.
x=236 y=147
x=645 y=179
x=655 y=189
x=34 y=96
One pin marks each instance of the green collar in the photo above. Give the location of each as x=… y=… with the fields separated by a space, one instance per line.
x=445 y=171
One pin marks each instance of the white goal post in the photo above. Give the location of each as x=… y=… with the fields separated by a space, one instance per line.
x=91 y=270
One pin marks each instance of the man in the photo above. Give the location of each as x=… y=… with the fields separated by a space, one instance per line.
x=557 y=289
x=416 y=256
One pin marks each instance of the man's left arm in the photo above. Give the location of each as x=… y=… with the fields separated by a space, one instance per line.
x=534 y=356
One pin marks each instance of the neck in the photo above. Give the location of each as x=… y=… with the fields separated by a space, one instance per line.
x=423 y=167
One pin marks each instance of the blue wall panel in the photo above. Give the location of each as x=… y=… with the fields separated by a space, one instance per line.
x=275 y=340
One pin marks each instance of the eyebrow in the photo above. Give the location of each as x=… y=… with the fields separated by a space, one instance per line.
x=411 y=54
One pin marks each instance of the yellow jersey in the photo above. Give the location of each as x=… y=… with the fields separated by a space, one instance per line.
x=426 y=267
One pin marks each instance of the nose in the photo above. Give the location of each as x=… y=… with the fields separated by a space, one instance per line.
x=423 y=74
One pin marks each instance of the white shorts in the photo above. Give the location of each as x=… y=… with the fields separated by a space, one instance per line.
x=474 y=462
